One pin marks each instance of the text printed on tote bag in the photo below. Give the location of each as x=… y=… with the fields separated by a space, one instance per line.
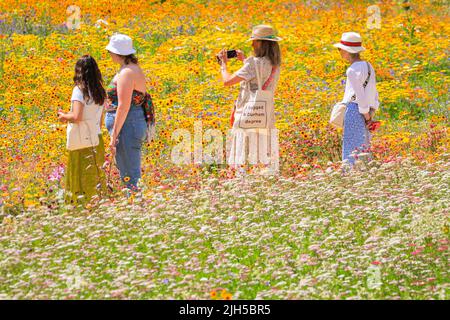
x=254 y=113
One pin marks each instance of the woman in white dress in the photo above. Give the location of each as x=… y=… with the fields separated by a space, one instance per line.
x=254 y=146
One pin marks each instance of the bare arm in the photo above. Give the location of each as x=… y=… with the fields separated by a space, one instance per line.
x=72 y=116
x=227 y=78
x=231 y=80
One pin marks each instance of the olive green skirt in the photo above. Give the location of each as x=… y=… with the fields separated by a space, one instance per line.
x=84 y=177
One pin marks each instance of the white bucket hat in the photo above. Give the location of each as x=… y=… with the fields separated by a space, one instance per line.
x=350 y=42
x=264 y=32
x=120 y=44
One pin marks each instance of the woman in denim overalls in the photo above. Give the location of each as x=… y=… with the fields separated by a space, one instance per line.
x=125 y=117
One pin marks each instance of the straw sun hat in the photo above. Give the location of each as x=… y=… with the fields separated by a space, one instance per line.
x=264 y=32
x=350 y=42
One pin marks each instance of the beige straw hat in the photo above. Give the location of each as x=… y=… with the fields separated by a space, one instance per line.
x=350 y=42
x=264 y=32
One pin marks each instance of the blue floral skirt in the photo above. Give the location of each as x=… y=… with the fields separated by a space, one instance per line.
x=356 y=136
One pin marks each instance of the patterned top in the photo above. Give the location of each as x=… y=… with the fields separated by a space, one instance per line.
x=138 y=99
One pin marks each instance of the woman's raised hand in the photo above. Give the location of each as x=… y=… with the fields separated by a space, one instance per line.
x=223 y=56
x=240 y=55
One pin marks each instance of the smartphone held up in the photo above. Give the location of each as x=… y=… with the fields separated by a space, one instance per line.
x=230 y=54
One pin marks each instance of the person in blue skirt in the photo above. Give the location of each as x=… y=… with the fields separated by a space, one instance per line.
x=360 y=95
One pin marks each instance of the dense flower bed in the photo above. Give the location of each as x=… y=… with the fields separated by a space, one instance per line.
x=195 y=229
x=381 y=232
x=176 y=45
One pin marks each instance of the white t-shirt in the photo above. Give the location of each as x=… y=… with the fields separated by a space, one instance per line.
x=366 y=98
x=90 y=110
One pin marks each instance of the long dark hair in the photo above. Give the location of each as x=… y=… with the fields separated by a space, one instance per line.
x=269 y=49
x=89 y=78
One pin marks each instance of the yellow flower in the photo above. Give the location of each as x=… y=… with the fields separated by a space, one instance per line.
x=213 y=294
x=224 y=293
x=126 y=179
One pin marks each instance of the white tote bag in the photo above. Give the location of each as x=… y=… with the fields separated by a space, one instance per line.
x=337 y=115
x=258 y=107
x=83 y=134
x=79 y=136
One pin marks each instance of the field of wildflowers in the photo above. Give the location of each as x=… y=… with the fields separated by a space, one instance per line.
x=198 y=231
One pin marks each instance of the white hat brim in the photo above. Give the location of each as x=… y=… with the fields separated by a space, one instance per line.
x=114 y=50
x=274 y=39
x=349 y=49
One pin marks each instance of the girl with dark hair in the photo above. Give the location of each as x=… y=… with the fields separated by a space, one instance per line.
x=84 y=177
